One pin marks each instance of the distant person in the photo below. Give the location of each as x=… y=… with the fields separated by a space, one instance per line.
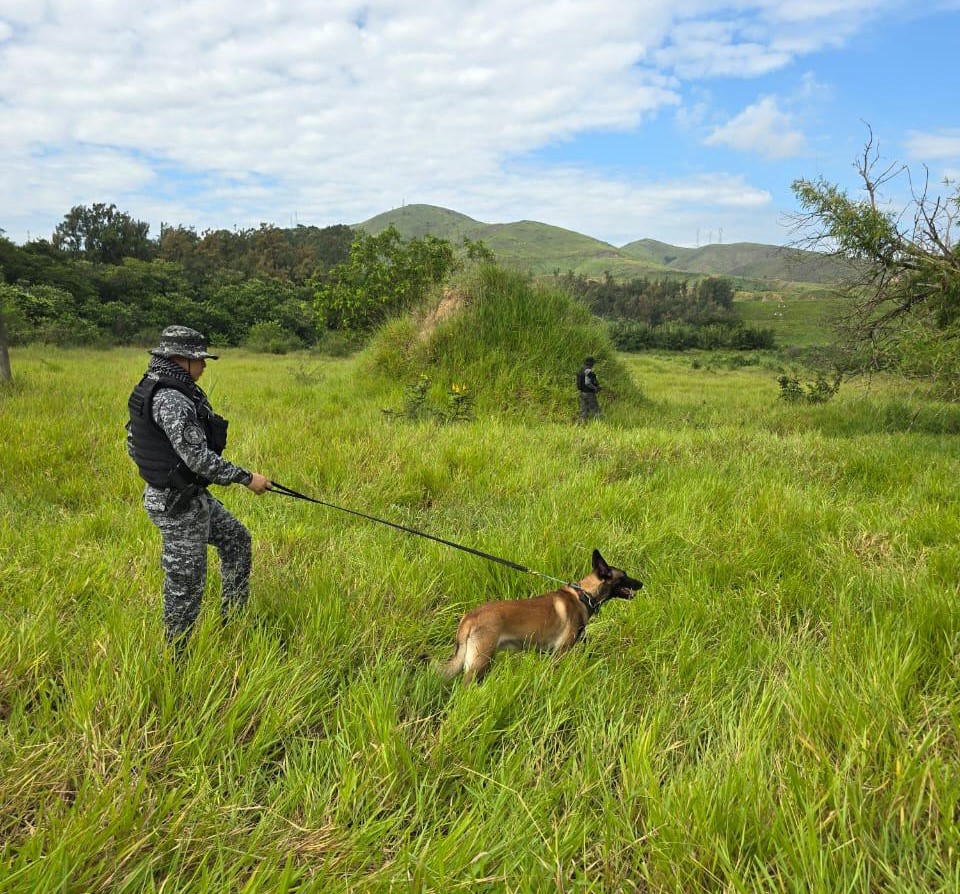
x=588 y=386
x=176 y=440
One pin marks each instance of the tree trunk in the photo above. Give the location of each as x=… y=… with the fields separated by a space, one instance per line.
x=5 y=374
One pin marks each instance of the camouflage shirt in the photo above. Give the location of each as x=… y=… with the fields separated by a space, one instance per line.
x=176 y=415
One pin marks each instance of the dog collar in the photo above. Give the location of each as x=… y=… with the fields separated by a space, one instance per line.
x=591 y=604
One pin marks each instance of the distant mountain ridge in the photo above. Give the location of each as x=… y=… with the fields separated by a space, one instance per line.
x=543 y=248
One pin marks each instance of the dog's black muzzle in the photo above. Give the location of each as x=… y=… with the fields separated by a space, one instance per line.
x=627 y=588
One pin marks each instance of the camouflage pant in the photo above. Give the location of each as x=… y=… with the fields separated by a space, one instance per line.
x=184 y=559
x=589 y=406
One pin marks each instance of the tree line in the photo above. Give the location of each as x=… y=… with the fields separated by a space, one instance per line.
x=672 y=313
x=656 y=301
x=101 y=278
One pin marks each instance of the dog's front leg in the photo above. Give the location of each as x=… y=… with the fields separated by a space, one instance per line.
x=579 y=634
x=561 y=647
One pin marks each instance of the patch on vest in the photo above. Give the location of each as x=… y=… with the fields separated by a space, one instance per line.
x=193 y=435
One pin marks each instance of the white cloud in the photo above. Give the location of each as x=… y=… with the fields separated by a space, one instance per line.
x=692 y=115
x=620 y=210
x=305 y=97
x=213 y=113
x=941 y=146
x=762 y=128
x=748 y=38
x=61 y=179
x=813 y=91
x=20 y=13
x=701 y=49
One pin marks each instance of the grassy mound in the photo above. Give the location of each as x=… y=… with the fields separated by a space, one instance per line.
x=514 y=344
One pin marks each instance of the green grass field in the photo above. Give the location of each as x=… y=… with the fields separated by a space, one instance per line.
x=798 y=316
x=777 y=710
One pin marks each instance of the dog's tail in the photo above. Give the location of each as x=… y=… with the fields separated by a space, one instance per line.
x=453 y=665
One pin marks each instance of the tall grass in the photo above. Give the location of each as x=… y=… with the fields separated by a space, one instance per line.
x=516 y=344
x=777 y=710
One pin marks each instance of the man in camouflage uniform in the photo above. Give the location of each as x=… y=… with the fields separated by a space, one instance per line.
x=588 y=386
x=176 y=440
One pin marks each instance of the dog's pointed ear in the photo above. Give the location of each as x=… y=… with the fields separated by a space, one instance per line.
x=600 y=565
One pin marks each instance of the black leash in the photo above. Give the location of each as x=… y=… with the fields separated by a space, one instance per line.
x=290 y=492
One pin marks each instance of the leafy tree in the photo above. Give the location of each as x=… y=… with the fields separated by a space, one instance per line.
x=271 y=338
x=5 y=372
x=44 y=313
x=477 y=250
x=177 y=243
x=233 y=308
x=135 y=281
x=903 y=287
x=634 y=335
x=384 y=275
x=715 y=292
x=180 y=244
x=9 y=258
x=270 y=253
x=39 y=262
x=218 y=251
x=293 y=254
x=324 y=248
x=103 y=233
x=656 y=301
x=139 y=295
x=41 y=303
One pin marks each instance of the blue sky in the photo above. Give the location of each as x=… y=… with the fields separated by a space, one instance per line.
x=676 y=120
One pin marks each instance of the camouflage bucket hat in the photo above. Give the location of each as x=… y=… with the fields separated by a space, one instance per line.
x=182 y=341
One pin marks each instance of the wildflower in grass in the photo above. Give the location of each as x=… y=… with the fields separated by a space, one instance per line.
x=459 y=403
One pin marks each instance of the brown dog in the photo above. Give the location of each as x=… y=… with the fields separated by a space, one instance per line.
x=552 y=622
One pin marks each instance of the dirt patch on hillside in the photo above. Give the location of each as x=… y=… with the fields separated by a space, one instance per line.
x=451 y=301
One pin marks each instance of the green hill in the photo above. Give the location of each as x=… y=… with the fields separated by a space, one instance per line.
x=542 y=248
x=749 y=260
x=655 y=251
x=417 y=221
x=522 y=245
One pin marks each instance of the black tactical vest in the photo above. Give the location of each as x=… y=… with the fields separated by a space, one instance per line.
x=157 y=461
